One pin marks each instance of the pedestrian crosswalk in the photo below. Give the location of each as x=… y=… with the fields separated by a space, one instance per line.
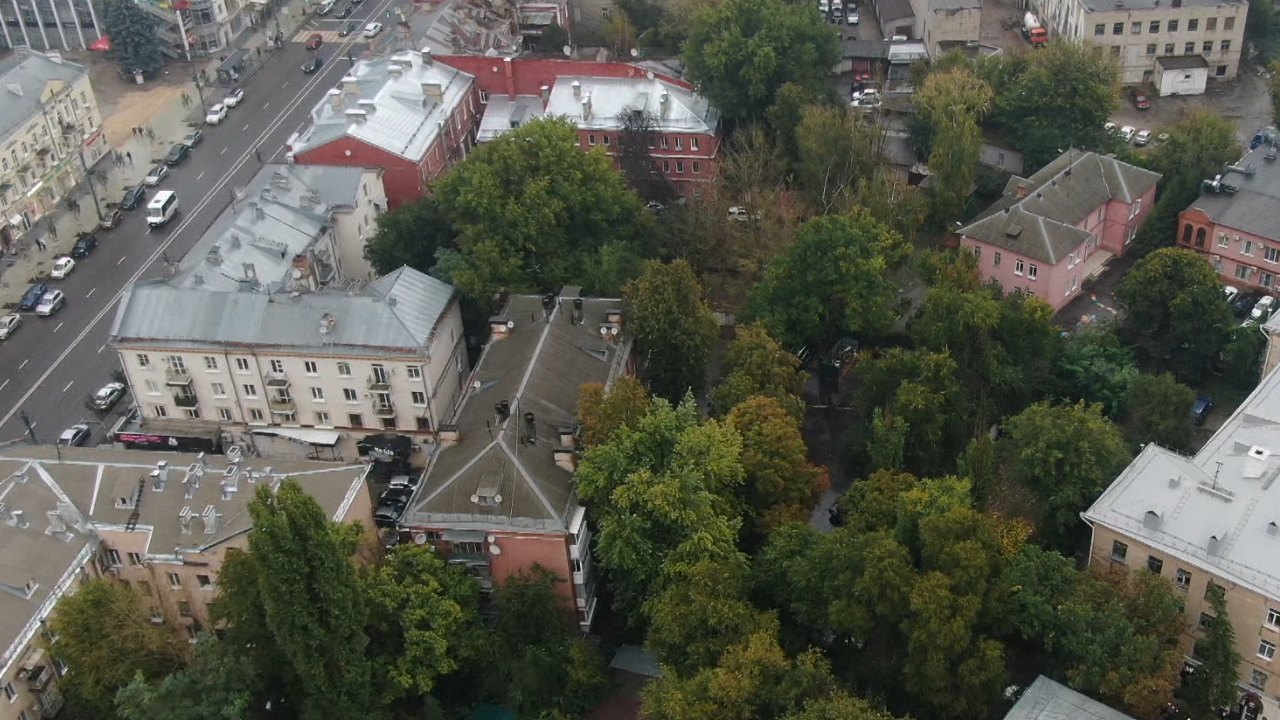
x=329 y=36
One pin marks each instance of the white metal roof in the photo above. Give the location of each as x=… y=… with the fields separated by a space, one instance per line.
x=596 y=103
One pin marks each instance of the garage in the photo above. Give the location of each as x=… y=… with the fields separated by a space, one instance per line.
x=1182 y=75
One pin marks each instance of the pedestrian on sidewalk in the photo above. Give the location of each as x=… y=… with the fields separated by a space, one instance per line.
x=129 y=157
x=257 y=153
x=151 y=132
x=40 y=243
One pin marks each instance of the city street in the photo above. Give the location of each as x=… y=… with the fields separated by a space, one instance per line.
x=54 y=363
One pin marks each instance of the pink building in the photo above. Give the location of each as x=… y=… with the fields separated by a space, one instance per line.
x=1056 y=229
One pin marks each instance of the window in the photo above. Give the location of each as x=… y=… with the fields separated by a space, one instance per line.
x=175 y=581
x=10 y=692
x=1155 y=564
x=1247 y=248
x=679 y=167
x=225 y=414
x=1033 y=271
x=160 y=411
x=355 y=420
x=977 y=253
x=591 y=138
x=113 y=556
x=1266 y=649
x=1168 y=48
x=1220 y=71
x=1154 y=27
x=604 y=140
x=1182 y=579
x=1151 y=48
x=277 y=366
x=242 y=365
x=219 y=390
x=255 y=415
x=423 y=423
x=1268 y=280
x=1228 y=23
x=1273 y=619
x=210 y=362
x=1173 y=26
x=1242 y=272
x=1257 y=678
x=1189 y=48
x=1119 y=551
x=317 y=394
x=1135 y=28
x=419 y=397
x=135 y=559
x=1193 y=25
x=995 y=259
x=1205 y=621
x=250 y=390
x=1115 y=51
x=349 y=395
x=1226 y=45
x=1117 y=28
x=184 y=608
x=344 y=369
x=192 y=413
x=144 y=360
x=666 y=166
x=204 y=580
x=1211 y=24
x=322 y=418
x=694 y=170
x=310 y=367
x=413 y=371
x=662 y=141
x=1100 y=29
x=693 y=144
x=1223 y=241
x=1206 y=47
x=1018 y=267
x=389 y=423
x=151 y=386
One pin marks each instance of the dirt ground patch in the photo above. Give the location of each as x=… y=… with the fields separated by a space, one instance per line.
x=125 y=104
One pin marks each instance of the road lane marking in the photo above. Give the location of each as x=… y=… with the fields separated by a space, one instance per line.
x=267 y=105
x=246 y=127
x=122 y=257
x=59 y=326
x=284 y=85
x=24 y=363
x=68 y=387
x=90 y=293
x=6 y=382
x=200 y=176
x=104 y=347
x=224 y=152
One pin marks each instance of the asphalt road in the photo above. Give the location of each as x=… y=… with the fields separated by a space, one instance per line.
x=51 y=365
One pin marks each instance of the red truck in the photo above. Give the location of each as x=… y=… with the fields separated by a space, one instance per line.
x=1033 y=31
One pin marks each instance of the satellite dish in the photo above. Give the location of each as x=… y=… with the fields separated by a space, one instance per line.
x=635 y=52
x=568 y=51
x=420 y=539
x=497 y=498
x=495 y=550
x=475 y=384
x=475 y=499
x=511 y=324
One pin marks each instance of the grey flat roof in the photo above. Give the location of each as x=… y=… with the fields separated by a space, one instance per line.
x=538 y=367
x=503 y=114
x=1045 y=699
x=1216 y=510
x=24 y=75
x=1182 y=62
x=889 y=10
x=686 y=111
x=1256 y=207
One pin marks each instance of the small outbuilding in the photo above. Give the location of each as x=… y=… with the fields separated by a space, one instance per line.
x=1182 y=75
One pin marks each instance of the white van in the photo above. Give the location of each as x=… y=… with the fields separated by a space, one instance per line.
x=162 y=208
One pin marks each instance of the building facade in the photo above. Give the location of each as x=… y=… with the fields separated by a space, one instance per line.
x=50 y=25
x=1208 y=523
x=947 y=24
x=498 y=495
x=408 y=115
x=1138 y=33
x=50 y=132
x=1234 y=224
x=1053 y=231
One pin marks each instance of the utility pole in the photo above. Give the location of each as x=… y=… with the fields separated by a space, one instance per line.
x=88 y=180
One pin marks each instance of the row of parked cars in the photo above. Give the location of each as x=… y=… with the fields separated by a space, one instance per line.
x=1254 y=308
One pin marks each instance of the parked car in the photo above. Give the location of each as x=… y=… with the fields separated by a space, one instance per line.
x=216 y=114
x=345 y=12
x=404 y=481
x=62 y=267
x=133 y=197
x=107 y=396
x=1142 y=138
x=1263 y=309
x=158 y=173
x=1231 y=292
x=9 y=325
x=31 y=298
x=867 y=98
x=176 y=154
x=349 y=28
x=111 y=218
x=326 y=8
x=312 y=65
x=1200 y=409
x=84 y=245
x=51 y=303
x=314 y=41
x=852 y=17
x=1127 y=132
x=1243 y=303
x=1139 y=99
x=233 y=97
x=74 y=436
x=193 y=138
x=372 y=29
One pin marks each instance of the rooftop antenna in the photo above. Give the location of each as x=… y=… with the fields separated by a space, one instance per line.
x=1216 y=470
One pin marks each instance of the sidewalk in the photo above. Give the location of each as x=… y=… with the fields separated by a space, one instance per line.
x=160 y=111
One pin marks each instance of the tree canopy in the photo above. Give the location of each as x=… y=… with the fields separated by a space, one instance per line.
x=135 y=42
x=953 y=102
x=1158 y=409
x=755 y=364
x=673 y=328
x=409 y=235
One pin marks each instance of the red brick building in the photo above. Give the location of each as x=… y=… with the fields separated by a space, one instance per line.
x=406 y=114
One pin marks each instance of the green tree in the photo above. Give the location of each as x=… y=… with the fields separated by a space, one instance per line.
x=834 y=280
x=1097 y=368
x=673 y=327
x=602 y=412
x=219 y=684
x=135 y=42
x=530 y=209
x=1065 y=455
x=1173 y=313
x=839 y=705
x=740 y=52
x=832 y=153
x=756 y=364
x=107 y=656
x=781 y=485
x=409 y=235
x=953 y=102
x=1157 y=409
x=1242 y=357
x=1213 y=685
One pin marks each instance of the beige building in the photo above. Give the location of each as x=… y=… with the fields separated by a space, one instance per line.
x=1140 y=32
x=1206 y=522
x=944 y=25
x=50 y=130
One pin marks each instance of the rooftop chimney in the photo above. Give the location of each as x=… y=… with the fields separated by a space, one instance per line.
x=335 y=97
x=426 y=55
x=395 y=70
x=577 y=89
x=432 y=90
x=1022 y=191
x=664 y=100
x=357 y=116
x=368 y=106
x=586 y=107
x=210 y=517
x=545 y=93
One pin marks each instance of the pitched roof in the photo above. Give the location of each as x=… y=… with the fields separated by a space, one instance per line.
x=396 y=314
x=538 y=367
x=393 y=103
x=24 y=75
x=1216 y=510
x=1042 y=224
x=1045 y=699
x=684 y=111
x=1253 y=208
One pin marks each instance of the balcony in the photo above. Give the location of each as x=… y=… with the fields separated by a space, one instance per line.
x=186 y=400
x=177 y=377
x=384 y=409
x=281 y=404
x=380 y=381
x=277 y=380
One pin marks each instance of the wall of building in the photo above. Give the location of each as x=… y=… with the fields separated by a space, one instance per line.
x=1245 y=260
x=1137 y=51
x=947 y=26
x=1183 y=81
x=403 y=180
x=1247 y=609
x=684 y=160
x=352 y=230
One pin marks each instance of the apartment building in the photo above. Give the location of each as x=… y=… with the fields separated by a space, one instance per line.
x=1053 y=231
x=1234 y=224
x=498 y=495
x=1209 y=523
x=1139 y=33
x=406 y=114
x=683 y=127
x=50 y=132
x=50 y=25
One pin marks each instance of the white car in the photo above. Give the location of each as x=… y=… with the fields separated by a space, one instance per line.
x=62 y=267
x=1142 y=138
x=1109 y=128
x=51 y=303
x=9 y=325
x=157 y=174
x=1126 y=133
x=852 y=16
x=1263 y=309
x=233 y=98
x=1230 y=292
x=217 y=114
x=372 y=29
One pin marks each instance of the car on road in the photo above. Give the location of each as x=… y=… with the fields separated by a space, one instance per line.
x=312 y=65
x=326 y=8
x=74 y=436
x=1139 y=99
x=1200 y=409
x=372 y=29
x=345 y=12
x=133 y=196
x=31 y=298
x=176 y=154
x=111 y=218
x=51 y=303
x=391 y=505
x=62 y=267
x=1126 y=133
x=84 y=245
x=157 y=174
x=193 y=138
x=314 y=41
x=9 y=325
x=1142 y=138
x=349 y=28
x=107 y=396
x=233 y=98
x=216 y=114
x=852 y=18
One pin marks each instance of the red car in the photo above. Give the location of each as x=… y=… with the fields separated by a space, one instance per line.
x=1139 y=99
x=315 y=41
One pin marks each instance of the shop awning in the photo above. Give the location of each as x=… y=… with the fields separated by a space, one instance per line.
x=474 y=536
x=322 y=438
